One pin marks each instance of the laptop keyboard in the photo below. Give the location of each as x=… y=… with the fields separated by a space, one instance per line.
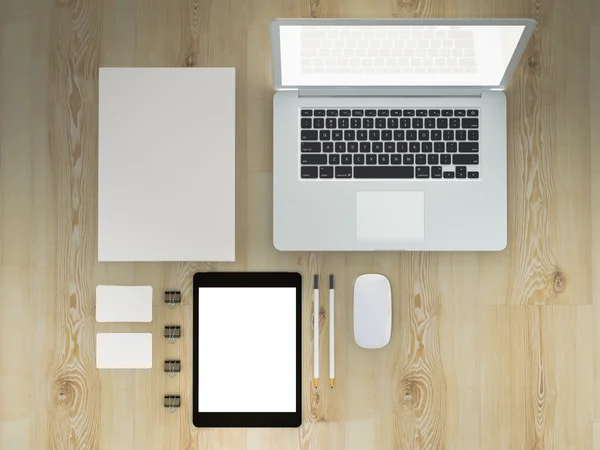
x=389 y=143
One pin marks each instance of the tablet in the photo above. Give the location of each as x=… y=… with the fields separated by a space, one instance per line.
x=247 y=349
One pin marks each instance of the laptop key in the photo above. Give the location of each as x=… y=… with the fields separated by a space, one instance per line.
x=343 y=172
x=438 y=147
x=451 y=147
x=361 y=135
x=448 y=174
x=309 y=172
x=328 y=147
x=340 y=147
x=414 y=147
x=377 y=147
x=319 y=112
x=309 y=135
x=357 y=113
x=423 y=172
x=468 y=147
x=421 y=159
x=470 y=123
x=465 y=159
x=392 y=123
x=408 y=159
x=446 y=159
x=352 y=147
x=331 y=123
x=461 y=135
x=433 y=159
x=454 y=123
x=436 y=172
x=411 y=135
x=442 y=123
x=460 y=112
x=383 y=112
x=448 y=135
x=337 y=135
x=306 y=123
x=472 y=174
x=417 y=122
x=472 y=113
x=313 y=160
x=396 y=159
x=374 y=135
x=447 y=112
x=318 y=123
x=389 y=147
x=359 y=159
x=396 y=112
x=398 y=135
x=383 y=160
x=370 y=113
x=384 y=172
x=343 y=123
x=365 y=147
x=371 y=159
x=424 y=135
x=408 y=112
x=349 y=135
x=345 y=113
x=386 y=135
x=346 y=159
x=434 y=112
x=367 y=123
x=421 y=113
x=306 y=112
x=461 y=174
x=355 y=123
x=334 y=160
x=380 y=123
x=325 y=172
x=402 y=147
x=332 y=112
x=404 y=123
x=426 y=147
x=429 y=123
x=473 y=135
x=310 y=147
x=436 y=135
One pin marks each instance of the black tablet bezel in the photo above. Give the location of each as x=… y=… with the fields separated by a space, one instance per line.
x=248 y=420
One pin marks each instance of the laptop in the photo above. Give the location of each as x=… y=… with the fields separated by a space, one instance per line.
x=391 y=134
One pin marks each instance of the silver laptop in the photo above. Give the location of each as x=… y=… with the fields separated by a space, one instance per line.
x=391 y=134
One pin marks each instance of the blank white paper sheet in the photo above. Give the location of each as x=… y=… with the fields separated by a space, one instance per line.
x=166 y=164
x=247 y=349
x=124 y=351
x=123 y=303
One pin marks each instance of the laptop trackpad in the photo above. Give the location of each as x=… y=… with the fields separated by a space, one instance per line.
x=390 y=216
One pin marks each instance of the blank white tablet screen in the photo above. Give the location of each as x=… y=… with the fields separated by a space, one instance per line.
x=247 y=349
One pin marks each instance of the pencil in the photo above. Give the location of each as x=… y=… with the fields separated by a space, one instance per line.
x=331 y=332
x=316 y=330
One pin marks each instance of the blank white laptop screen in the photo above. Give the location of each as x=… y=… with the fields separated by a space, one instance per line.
x=246 y=349
x=431 y=55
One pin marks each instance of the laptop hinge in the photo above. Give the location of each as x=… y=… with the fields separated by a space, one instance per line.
x=389 y=92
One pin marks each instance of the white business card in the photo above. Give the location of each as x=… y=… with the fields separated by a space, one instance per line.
x=124 y=350
x=123 y=303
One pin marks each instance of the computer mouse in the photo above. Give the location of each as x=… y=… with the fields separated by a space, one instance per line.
x=372 y=311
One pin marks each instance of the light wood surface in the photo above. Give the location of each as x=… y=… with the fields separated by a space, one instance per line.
x=488 y=351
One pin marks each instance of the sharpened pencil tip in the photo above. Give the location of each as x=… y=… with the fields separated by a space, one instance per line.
x=331 y=382
x=316 y=382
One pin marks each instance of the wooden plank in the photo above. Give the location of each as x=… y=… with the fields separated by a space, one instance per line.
x=536 y=365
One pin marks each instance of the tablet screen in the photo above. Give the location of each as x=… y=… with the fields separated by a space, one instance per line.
x=246 y=358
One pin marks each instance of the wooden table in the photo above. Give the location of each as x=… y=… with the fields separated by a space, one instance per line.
x=488 y=351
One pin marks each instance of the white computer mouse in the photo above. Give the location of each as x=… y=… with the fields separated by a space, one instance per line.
x=372 y=311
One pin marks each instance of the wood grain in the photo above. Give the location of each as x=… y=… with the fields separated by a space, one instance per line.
x=488 y=350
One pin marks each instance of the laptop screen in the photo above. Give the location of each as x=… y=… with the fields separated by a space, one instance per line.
x=396 y=55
